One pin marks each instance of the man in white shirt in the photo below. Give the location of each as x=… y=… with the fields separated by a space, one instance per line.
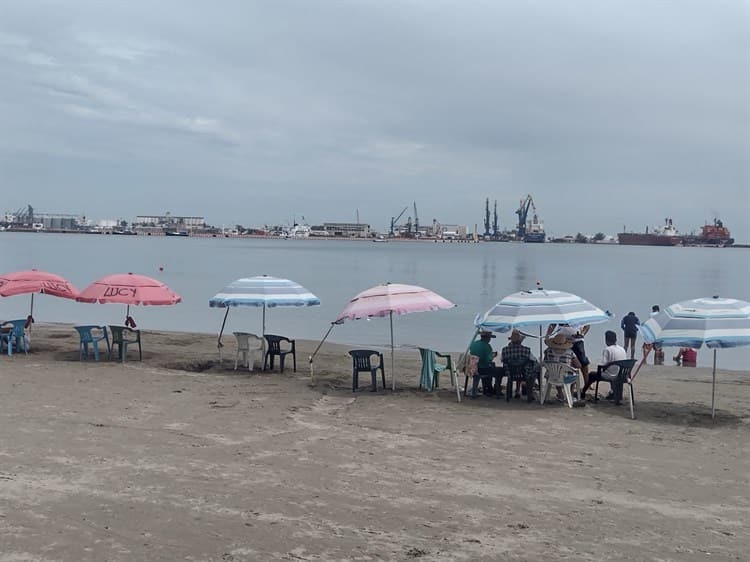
x=612 y=352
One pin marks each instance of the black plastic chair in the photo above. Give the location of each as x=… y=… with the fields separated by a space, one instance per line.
x=617 y=381
x=519 y=370
x=362 y=362
x=275 y=350
x=122 y=336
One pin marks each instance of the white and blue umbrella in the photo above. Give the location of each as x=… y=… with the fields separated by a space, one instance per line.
x=711 y=321
x=540 y=307
x=261 y=291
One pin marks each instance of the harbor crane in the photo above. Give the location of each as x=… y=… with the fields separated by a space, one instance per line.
x=394 y=220
x=522 y=212
x=416 y=220
x=487 y=217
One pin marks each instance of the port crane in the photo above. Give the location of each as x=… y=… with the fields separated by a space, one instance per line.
x=522 y=212
x=394 y=220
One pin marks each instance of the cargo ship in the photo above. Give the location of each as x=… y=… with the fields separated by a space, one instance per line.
x=715 y=234
x=535 y=231
x=666 y=235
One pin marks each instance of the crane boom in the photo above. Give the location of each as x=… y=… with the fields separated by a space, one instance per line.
x=522 y=212
x=394 y=220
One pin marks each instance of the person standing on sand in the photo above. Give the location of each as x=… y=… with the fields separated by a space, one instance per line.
x=629 y=325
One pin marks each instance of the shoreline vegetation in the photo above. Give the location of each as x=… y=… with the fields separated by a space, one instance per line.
x=180 y=456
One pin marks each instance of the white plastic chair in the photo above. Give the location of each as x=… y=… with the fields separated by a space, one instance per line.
x=250 y=347
x=560 y=374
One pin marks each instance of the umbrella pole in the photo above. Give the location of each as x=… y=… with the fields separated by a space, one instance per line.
x=127 y=315
x=393 y=369
x=263 y=336
x=31 y=312
x=312 y=374
x=713 y=389
x=221 y=332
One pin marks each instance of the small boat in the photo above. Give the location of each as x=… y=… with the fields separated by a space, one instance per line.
x=176 y=233
x=380 y=239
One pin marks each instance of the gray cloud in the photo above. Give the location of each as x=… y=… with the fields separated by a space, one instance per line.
x=608 y=113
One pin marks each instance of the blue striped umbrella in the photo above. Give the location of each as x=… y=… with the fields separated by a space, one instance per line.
x=713 y=321
x=538 y=308
x=261 y=291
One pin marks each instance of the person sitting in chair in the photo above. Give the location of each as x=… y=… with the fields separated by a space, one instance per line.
x=486 y=367
x=516 y=350
x=612 y=352
x=560 y=350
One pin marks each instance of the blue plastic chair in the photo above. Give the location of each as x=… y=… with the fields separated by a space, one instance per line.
x=91 y=335
x=16 y=337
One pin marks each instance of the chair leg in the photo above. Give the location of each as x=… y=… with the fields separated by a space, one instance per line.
x=236 y=359
x=374 y=378
x=294 y=362
x=568 y=394
x=140 y=352
x=466 y=384
x=95 y=345
x=281 y=362
x=355 y=381
x=596 y=391
x=509 y=392
x=382 y=374
x=545 y=394
x=632 y=402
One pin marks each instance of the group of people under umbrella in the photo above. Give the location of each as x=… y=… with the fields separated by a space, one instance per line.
x=712 y=321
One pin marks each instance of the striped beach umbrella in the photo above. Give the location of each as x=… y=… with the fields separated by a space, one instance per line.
x=540 y=307
x=711 y=321
x=261 y=291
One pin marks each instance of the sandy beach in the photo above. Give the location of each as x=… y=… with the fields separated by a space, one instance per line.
x=179 y=457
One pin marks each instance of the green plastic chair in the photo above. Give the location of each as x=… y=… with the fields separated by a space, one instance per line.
x=431 y=368
x=122 y=336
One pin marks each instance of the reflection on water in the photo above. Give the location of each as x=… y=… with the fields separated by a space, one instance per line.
x=474 y=276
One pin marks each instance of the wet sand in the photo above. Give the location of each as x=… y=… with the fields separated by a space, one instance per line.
x=179 y=457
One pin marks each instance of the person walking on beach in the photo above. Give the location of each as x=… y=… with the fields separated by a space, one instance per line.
x=629 y=325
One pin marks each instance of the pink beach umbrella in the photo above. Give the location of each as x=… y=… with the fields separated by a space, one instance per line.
x=129 y=288
x=35 y=281
x=389 y=299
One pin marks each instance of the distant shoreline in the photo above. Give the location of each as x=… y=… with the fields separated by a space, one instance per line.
x=324 y=238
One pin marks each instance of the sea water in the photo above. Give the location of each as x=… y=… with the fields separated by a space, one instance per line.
x=474 y=276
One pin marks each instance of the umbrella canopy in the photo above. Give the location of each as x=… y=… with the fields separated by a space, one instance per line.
x=389 y=299
x=713 y=321
x=261 y=291
x=35 y=281
x=538 y=308
x=129 y=288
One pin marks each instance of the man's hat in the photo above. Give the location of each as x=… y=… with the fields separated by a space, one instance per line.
x=516 y=336
x=486 y=334
x=560 y=341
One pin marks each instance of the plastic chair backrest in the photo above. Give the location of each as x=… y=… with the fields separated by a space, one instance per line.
x=626 y=367
x=362 y=359
x=559 y=373
x=84 y=333
x=118 y=334
x=517 y=368
x=247 y=341
x=274 y=343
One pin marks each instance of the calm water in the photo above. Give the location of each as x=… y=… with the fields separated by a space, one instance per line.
x=474 y=276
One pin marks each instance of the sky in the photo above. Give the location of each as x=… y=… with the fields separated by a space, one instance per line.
x=611 y=114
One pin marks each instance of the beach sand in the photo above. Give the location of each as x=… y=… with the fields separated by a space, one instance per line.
x=180 y=458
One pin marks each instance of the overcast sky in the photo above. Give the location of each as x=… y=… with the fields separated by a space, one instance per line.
x=608 y=113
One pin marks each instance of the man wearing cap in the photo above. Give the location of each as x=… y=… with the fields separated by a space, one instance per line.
x=515 y=350
x=485 y=366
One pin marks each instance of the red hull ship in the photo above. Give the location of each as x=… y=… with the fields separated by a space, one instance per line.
x=715 y=234
x=665 y=236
